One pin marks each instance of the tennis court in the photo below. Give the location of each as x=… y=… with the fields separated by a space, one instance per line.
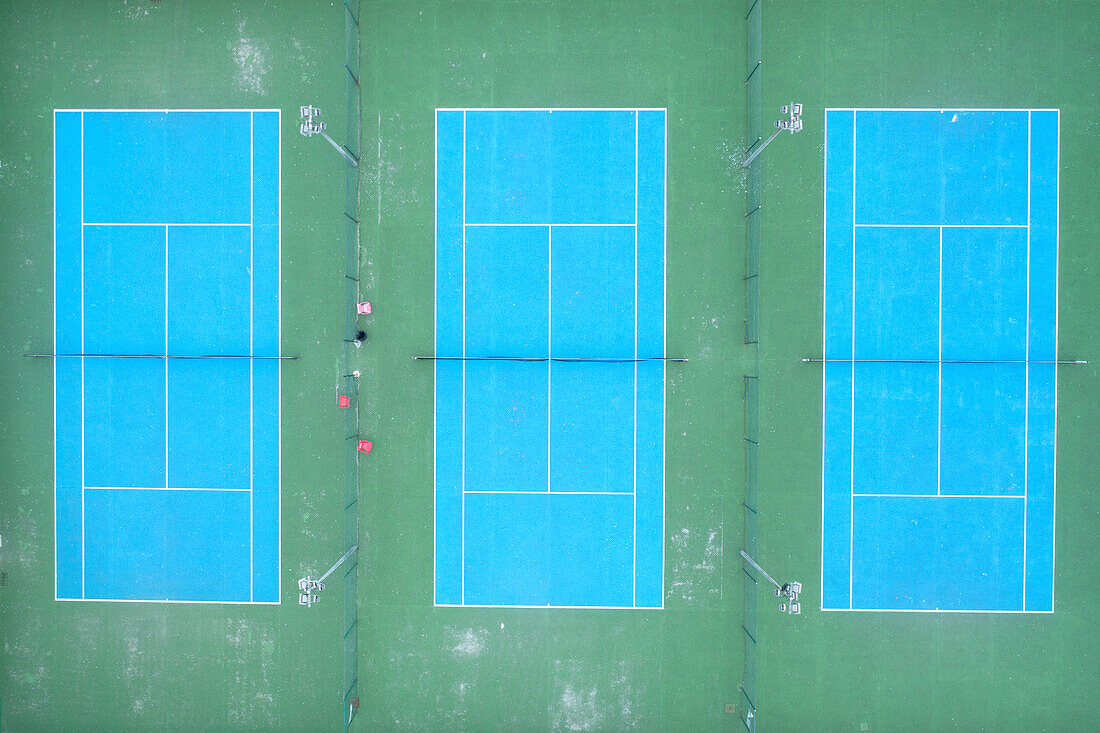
x=549 y=377
x=166 y=289
x=940 y=342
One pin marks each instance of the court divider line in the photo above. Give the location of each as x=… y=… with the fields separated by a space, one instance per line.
x=546 y=606
x=941 y=226
x=167 y=443
x=435 y=365
x=162 y=488
x=83 y=427
x=664 y=342
x=54 y=365
x=852 y=434
x=1027 y=354
x=251 y=351
x=279 y=347
x=824 y=330
x=944 y=496
x=549 y=493
x=163 y=224
x=462 y=569
x=548 y=224
x=1054 y=441
x=936 y=610
x=551 y=109
x=166 y=600
x=634 y=477
x=549 y=347
x=163 y=110
x=936 y=109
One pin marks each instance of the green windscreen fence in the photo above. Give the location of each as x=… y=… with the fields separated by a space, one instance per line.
x=751 y=438
x=352 y=143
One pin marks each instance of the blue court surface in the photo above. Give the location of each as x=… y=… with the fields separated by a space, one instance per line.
x=167 y=244
x=550 y=244
x=941 y=250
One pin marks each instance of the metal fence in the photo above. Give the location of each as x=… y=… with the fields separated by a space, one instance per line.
x=352 y=143
x=751 y=437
